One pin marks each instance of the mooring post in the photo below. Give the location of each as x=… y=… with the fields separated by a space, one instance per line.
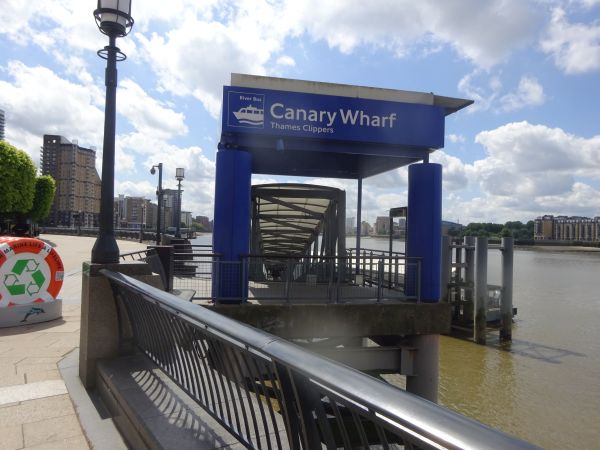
x=446 y=268
x=506 y=303
x=457 y=278
x=481 y=290
x=469 y=242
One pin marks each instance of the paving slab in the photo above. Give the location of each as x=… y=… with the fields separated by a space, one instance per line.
x=32 y=391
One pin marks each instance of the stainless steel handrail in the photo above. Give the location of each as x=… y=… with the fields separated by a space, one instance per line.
x=313 y=383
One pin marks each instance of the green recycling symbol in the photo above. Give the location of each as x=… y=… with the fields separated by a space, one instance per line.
x=25 y=277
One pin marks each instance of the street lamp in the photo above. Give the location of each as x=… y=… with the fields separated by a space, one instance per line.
x=159 y=196
x=179 y=174
x=113 y=18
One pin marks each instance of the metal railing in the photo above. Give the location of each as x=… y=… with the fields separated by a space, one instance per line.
x=139 y=255
x=193 y=268
x=333 y=279
x=270 y=393
x=299 y=278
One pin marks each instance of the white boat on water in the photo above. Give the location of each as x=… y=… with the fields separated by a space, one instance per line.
x=250 y=115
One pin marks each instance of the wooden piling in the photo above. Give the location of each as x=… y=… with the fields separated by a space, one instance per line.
x=469 y=242
x=506 y=301
x=481 y=290
x=446 y=268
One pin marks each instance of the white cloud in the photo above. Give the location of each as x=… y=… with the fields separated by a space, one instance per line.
x=197 y=57
x=286 y=61
x=38 y=102
x=482 y=32
x=150 y=117
x=575 y=47
x=529 y=93
x=456 y=138
x=483 y=95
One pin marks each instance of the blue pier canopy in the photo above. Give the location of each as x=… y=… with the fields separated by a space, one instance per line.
x=302 y=128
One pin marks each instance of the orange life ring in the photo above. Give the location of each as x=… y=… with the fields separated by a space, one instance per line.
x=30 y=271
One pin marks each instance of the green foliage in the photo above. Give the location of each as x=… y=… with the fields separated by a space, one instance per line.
x=516 y=229
x=45 y=188
x=198 y=227
x=17 y=180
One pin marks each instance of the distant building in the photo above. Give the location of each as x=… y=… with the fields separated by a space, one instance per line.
x=2 y=125
x=77 y=198
x=204 y=221
x=151 y=215
x=170 y=207
x=382 y=225
x=451 y=228
x=565 y=228
x=131 y=212
x=186 y=219
x=543 y=228
x=350 y=225
x=365 y=228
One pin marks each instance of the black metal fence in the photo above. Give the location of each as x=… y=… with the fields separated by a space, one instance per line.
x=270 y=393
x=380 y=276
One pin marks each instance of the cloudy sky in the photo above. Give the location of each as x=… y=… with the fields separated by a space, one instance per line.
x=529 y=145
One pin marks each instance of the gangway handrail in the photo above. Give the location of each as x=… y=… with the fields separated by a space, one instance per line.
x=214 y=358
x=375 y=251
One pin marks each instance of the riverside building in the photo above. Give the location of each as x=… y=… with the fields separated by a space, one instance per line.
x=567 y=228
x=77 y=199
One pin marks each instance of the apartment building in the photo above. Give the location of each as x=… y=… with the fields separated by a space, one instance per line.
x=567 y=228
x=77 y=198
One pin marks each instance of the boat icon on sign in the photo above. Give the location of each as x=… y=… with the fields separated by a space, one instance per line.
x=250 y=115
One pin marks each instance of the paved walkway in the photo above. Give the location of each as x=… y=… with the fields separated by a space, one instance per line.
x=36 y=408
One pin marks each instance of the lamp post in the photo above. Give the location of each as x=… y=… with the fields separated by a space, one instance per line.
x=159 y=197
x=113 y=18
x=179 y=174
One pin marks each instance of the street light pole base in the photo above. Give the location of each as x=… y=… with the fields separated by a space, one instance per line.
x=105 y=250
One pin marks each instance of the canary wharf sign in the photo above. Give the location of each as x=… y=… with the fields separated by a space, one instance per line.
x=314 y=116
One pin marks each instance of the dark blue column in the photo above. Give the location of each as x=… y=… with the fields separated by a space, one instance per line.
x=424 y=229
x=231 y=230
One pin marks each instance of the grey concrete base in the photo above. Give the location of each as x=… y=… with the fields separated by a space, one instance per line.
x=96 y=423
x=342 y=320
x=151 y=412
x=99 y=323
x=30 y=313
x=426 y=367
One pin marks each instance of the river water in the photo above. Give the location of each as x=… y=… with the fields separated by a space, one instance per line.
x=544 y=387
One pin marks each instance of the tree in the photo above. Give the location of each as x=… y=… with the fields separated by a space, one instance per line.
x=45 y=188
x=17 y=180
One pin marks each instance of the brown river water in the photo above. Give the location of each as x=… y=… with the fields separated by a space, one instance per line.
x=544 y=387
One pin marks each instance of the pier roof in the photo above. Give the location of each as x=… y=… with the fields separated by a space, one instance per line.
x=306 y=128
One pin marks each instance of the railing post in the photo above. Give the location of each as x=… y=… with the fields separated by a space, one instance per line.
x=506 y=301
x=446 y=268
x=288 y=280
x=380 y=281
x=481 y=290
x=243 y=281
x=469 y=242
x=340 y=273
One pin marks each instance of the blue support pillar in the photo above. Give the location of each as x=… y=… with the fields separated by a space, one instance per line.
x=231 y=231
x=424 y=230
